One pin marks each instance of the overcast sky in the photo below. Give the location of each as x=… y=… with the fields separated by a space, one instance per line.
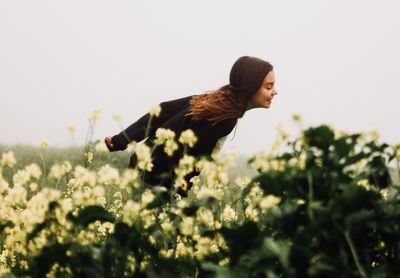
x=335 y=62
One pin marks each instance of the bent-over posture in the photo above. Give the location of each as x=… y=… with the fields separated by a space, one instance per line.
x=211 y=116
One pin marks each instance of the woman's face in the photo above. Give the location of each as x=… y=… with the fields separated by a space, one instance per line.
x=264 y=95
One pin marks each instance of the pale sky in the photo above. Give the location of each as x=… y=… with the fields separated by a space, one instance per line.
x=335 y=62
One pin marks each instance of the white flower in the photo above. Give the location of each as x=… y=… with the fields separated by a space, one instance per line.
x=44 y=144
x=8 y=159
x=155 y=110
x=188 y=137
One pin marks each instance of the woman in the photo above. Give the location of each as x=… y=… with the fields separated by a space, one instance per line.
x=211 y=116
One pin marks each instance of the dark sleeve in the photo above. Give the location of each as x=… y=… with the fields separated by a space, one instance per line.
x=136 y=131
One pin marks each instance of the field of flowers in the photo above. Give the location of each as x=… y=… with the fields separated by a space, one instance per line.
x=324 y=203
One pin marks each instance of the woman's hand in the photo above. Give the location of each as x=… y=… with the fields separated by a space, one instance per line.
x=109 y=143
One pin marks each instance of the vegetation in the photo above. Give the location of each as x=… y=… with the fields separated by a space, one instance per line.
x=322 y=204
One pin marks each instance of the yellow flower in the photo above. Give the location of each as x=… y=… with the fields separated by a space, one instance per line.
x=67 y=166
x=186 y=226
x=206 y=192
x=108 y=175
x=269 y=202
x=188 y=137
x=185 y=166
x=296 y=118
x=130 y=212
x=94 y=116
x=3 y=186
x=170 y=147
x=33 y=186
x=251 y=213
x=374 y=135
x=116 y=117
x=163 y=135
x=147 y=197
x=101 y=147
x=242 y=181
x=71 y=127
x=283 y=133
x=8 y=159
x=44 y=144
x=229 y=214
x=166 y=136
x=21 y=177
x=155 y=110
x=89 y=157
x=384 y=193
x=143 y=153
x=34 y=170
x=364 y=183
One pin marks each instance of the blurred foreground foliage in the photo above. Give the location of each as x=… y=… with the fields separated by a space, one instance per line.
x=326 y=206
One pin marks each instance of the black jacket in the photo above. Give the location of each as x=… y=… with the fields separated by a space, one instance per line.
x=172 y=117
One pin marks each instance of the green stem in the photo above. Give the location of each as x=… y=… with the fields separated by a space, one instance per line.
x=58 y=181
x=354 y=253
x=44 y=167
x=310 y=195
x=148 y=126
x=86 y=148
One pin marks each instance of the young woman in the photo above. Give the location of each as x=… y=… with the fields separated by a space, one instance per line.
x=210 y=115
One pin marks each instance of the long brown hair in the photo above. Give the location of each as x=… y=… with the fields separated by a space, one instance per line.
x=230 y=101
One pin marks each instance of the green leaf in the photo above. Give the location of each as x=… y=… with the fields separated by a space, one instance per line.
x=321 y=137
x=279 y=249
x=50 y=255
x=357 y=220
x=91 y=214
